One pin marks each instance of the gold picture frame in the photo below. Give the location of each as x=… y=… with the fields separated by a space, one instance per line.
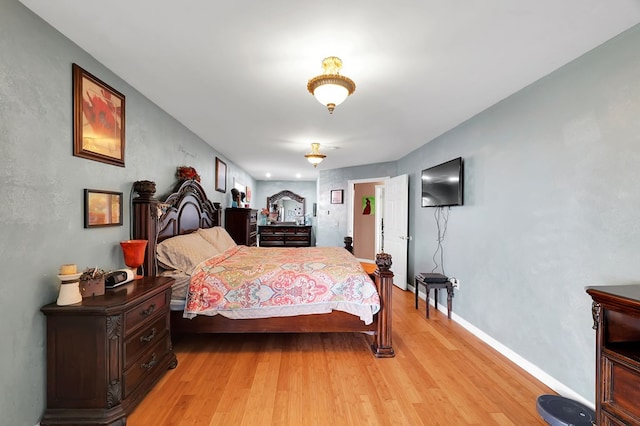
x=102 y=208
x=98 y=119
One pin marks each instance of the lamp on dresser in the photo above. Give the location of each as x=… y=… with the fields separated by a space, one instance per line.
x=133 y=252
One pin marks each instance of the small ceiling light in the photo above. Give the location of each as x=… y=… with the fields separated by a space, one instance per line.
x=330 y=88
x=314 y=157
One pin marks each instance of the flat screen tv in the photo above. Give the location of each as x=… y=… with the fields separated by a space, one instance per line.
x=442 y=184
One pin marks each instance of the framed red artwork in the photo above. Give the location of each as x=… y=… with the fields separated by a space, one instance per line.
x=98 y=119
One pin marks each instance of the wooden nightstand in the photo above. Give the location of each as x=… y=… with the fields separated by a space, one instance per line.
x=106 y=353
x=616 y=319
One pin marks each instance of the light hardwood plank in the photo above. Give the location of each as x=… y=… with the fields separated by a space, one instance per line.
x=441 y=375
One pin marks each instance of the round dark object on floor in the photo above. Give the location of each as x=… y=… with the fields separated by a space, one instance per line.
x=560 y=411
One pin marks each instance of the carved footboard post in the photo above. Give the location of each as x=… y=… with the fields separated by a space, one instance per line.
x=348 y=244
x=381 y=346
x=145 y=221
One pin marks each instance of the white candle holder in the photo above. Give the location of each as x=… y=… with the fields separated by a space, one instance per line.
x=69 y=290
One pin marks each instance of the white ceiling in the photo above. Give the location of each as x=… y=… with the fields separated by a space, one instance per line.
x=235 y=72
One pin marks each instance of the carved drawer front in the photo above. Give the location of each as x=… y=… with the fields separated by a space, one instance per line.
x=272 y=240
x=141 y=313
x=620 y=393
x=298 y=240
x=146 y=365
x=143 y=339
x=610 y=421
x=270 y=235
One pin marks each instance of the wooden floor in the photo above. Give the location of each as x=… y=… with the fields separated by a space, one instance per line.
x=441 y=375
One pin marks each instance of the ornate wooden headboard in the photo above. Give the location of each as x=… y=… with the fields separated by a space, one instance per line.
x=181 y=212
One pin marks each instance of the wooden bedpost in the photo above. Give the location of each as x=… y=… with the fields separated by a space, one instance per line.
x=381 y=346
x=348 y=241
x=145 y=221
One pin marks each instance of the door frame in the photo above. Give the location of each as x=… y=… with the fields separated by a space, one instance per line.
x=351 y=203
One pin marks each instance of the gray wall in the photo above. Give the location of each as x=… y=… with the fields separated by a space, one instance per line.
x=551 y=206
x=41 y=189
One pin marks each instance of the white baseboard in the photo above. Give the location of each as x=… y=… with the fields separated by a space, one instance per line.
x=521 y=362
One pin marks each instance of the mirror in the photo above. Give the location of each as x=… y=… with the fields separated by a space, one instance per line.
x=286 y=207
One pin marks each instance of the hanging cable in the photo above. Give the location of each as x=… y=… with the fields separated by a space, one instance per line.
x=442 y=218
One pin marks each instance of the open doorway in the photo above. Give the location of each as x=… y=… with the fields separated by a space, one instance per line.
x=388 y=231
x=365 y=219
x=365 y=205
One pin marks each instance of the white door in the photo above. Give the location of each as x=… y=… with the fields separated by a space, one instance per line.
x=396 y=226
x=379 y=241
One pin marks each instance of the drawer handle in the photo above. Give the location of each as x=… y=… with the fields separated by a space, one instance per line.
x=147 y=312
x=147 y=339
x=147 y=366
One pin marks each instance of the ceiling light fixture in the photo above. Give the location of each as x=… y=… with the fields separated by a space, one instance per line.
x=330 y=88
x=314 y=157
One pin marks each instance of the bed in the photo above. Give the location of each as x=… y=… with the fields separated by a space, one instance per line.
x=187 y=211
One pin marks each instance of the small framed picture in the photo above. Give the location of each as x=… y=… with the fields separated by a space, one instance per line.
x=221 y=175
x=98 y=119
x=102 y=208
x=337 y=196
x=369 y=205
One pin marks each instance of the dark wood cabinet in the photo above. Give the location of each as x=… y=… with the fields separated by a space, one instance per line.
x=242 y=225
x=285 y=235
x=105 y=353
x=616 y=317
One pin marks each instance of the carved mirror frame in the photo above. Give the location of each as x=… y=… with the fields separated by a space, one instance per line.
x=284 y=194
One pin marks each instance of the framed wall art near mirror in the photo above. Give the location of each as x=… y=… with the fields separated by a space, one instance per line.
x=337 y=196
x=221 y=175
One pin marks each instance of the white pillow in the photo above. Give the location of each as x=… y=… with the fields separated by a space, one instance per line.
x=218 y=237
x=185 y=252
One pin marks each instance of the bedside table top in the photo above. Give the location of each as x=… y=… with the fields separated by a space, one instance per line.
x=628 y=295
x=117 y=297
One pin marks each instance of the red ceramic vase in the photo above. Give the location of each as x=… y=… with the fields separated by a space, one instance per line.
x=133 y=251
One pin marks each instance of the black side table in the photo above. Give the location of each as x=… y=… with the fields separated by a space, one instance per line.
x=435 y=282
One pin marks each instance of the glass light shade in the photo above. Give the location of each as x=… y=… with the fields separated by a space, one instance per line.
x=315 y=160
x=314 y=157
x=328 y=94
x=133 y=251
x=330 y=88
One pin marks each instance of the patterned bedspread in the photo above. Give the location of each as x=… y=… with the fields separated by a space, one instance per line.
x=260 y=282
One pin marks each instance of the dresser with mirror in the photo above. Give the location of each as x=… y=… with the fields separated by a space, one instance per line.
x=285 y=225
